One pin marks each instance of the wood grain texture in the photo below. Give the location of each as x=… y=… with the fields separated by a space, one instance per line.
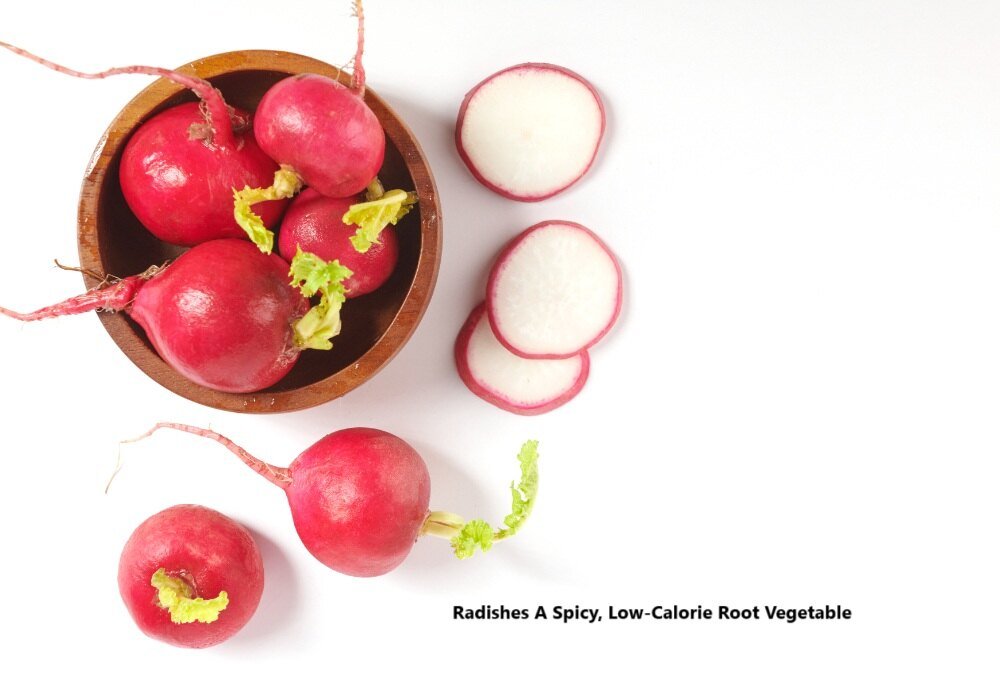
x=376 y=326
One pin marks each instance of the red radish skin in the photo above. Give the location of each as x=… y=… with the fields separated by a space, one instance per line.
x=315 y=224
x=359 y=499
x=221 y=314
x=208 y=551
x=505 y=152
x=180 y=167
x=181 y=189
x=545 y=305
x=522 y=396
x=323 y=130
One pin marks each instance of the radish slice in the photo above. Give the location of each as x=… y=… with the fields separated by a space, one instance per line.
x=530 y=131
x=554 y=291
x=511 y=383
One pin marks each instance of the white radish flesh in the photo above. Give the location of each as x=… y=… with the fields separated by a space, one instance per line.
x=512 y=383
x=554 y=291
x=530 y=131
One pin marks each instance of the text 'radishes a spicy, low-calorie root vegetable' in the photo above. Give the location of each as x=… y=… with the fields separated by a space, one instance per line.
x=530 y=131
x=518 y=385
x=223 y=314
x=359 y=499
x=554 y=291
x=190 y=576
x=179 y=168
x=325 y=136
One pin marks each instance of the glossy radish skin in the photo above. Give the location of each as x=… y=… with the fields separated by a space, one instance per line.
x=179 y=169
x=358 y=499
x=315 y=223
x=555 y=290
x=221 y=314
x=181 y=188
x=530 y=131
x=512 y=383
x=210 y=553
x=322 y=130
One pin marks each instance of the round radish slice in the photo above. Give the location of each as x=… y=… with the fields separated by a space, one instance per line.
x=512 y=383
x=530 y=131
x=554 y=291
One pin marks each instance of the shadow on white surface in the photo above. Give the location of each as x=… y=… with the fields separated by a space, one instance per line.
x=279 y=606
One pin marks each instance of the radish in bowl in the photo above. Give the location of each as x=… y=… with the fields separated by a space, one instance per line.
x=179 y=168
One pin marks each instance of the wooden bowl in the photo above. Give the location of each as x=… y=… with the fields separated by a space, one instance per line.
x=375 y=326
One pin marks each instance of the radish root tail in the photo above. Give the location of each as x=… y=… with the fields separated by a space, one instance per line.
x=217 y=113
x=358 y=71
x=276 y=474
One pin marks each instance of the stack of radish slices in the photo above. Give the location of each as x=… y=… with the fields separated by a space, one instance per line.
x=554 y=291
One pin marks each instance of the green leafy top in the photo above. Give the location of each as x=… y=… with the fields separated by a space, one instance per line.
x=380 y=210
x=286 y=184
x=466 y=537
x=174 y=595
x=311 y=275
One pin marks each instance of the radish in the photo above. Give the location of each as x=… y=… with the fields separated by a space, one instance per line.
x=530 y=131
x=510 y=382
x=359 y=499
x=178 y=170
x=324 y=136
x=223 y=314
x=316 y=223
x=323 y=130
x=190 y=576
x=554 y=291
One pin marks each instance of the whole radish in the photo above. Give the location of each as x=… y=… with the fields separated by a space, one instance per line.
x=190 y=576
x=223 y=314
x=315 y=223
x=323 y=130
x=359 y=499
x=325 y=136
x=180 y=167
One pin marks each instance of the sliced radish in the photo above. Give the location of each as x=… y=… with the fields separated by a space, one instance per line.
x=554 y=291
x=530 y=131
x=512 y=383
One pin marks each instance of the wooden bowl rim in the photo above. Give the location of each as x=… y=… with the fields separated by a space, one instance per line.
x=403 y=324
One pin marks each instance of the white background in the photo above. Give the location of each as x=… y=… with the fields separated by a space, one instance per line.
x=799 y=405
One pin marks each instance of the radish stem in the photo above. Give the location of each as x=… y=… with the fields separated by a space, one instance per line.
x=276 y=474
x=217 y=112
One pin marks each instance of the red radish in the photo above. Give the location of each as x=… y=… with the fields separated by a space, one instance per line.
x=315 y=223
x=359 y=499
x=191 y=576
x=223 y=314
x=325 y=136
x=530 y=131
x=554 y=291
x=323 y=130
x=179 y=169
x=510 y=382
